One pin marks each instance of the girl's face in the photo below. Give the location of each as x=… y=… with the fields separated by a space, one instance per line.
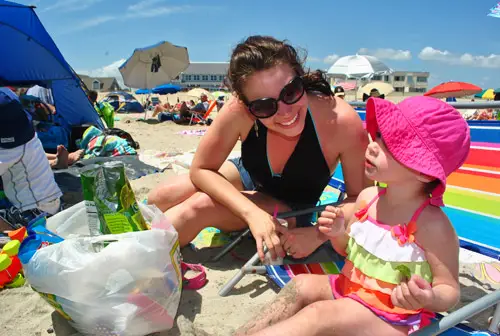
x=272 y=83
x=381 y=166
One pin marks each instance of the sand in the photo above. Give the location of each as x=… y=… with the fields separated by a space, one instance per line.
x=24 y=313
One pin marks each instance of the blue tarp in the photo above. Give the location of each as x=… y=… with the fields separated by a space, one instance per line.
x=31 y=57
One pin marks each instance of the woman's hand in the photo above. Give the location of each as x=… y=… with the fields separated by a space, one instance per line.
x=263 y=227
x=301 y=242
x=331 y=222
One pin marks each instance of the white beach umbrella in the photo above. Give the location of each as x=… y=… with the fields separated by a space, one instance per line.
x=359 y=66
x=154 y=65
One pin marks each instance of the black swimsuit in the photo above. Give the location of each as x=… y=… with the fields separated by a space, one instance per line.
x=305 y=175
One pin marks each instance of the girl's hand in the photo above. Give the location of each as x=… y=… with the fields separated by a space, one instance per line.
x=331 y=222
x=414 y=294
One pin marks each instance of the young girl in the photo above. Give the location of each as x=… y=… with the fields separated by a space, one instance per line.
x=401 y=249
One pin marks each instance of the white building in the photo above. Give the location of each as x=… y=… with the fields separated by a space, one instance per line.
x=206 y=75
x=401 y=81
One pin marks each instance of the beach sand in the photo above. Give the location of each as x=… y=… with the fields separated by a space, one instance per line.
x=24 y=313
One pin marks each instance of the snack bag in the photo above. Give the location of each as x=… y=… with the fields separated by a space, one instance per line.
x=110 y=201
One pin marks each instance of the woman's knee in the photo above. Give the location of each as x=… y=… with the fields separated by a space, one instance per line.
x=172 y=191
x=194 y=207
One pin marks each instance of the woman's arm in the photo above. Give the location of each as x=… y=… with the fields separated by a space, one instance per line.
x=352 y=155
x=212 y=151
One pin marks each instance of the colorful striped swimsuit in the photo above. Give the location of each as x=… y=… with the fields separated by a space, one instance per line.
x=378 y=256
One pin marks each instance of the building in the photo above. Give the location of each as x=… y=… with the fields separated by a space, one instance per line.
x=100 y=84
x=401 y=81
x=205 y=75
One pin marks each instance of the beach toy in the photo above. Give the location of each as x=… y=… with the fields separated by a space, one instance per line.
x=10 y=267
x=11 y=248
x=18 y=234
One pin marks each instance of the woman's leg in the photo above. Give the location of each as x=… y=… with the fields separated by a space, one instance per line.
x=200 y=211
x=179 y=188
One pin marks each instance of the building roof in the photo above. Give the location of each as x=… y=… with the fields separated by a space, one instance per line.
x=207 y=68
x=106 y=82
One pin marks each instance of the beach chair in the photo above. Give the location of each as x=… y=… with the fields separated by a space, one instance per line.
x=471 y=199
x=199 y=117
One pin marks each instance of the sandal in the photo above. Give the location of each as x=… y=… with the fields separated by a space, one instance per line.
x=196 y=282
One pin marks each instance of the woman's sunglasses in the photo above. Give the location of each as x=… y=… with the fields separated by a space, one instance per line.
x=267 y=107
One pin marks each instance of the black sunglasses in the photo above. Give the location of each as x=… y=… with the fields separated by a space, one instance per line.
x=267 y=107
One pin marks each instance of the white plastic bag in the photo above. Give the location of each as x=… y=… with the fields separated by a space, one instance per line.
x=125 y=284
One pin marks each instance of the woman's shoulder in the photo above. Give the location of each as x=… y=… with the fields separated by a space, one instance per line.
x=334 y=111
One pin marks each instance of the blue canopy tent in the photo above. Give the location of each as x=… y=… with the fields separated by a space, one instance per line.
x=31 y=57
x=166 y=89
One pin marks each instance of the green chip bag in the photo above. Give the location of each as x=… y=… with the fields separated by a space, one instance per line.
x=110 y=200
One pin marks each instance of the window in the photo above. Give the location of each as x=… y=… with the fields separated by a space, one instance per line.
x=213 y=77
x=96 y=85
x=377 y=78
x=419 y=90
x=386 y=78
x=196 y=77
x=409 y=80
x=204 y=77
x=399 y=78
x=221 y=77
x=421 y=79
x=399 y=89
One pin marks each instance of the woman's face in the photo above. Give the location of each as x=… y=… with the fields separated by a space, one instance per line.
x=289 y=119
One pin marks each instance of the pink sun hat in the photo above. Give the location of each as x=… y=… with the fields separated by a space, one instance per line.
x=422 y=133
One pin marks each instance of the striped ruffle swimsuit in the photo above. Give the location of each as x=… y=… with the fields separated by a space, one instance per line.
x=379 y=257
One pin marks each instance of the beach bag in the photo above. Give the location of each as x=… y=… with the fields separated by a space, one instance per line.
x=122 y=134
x=126 y=284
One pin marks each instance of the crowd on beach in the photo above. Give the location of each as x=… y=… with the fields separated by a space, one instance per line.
x=294 y=130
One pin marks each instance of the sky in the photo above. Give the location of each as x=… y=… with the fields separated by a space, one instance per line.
x=453 y=40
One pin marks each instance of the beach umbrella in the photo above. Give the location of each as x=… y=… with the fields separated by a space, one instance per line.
x=383 y=88
x=154 y=65
x=486 y=94
x=166 y=89
x=453 y=89
x=142 y=91
x=197 y=92
x=359 y=66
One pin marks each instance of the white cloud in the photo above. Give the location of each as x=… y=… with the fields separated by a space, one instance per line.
x=330 y=59
x=141 y=9
x=445 y=56
x=143 y=4
x=110 y=70
x=70 y=5
x=387 y=53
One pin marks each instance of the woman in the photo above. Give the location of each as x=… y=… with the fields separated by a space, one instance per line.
x=293 y=132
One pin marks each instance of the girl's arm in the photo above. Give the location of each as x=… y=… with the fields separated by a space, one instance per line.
x=440 y=243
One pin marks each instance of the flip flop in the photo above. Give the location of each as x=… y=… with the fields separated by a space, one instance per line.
x=196 y=282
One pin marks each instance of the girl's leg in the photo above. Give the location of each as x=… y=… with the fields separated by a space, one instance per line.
x=343 y=317
x=179 y=188
x=200 y=211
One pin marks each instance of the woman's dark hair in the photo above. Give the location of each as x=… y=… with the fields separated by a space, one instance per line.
x=430 y=186
x=259 y=53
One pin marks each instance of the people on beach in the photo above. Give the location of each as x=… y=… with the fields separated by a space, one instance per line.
x=27 y=177
x=401 y=249
x=338 y=91
x=293 y=133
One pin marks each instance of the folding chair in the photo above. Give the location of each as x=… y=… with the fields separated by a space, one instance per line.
x=202 y=117
x=335 y=183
